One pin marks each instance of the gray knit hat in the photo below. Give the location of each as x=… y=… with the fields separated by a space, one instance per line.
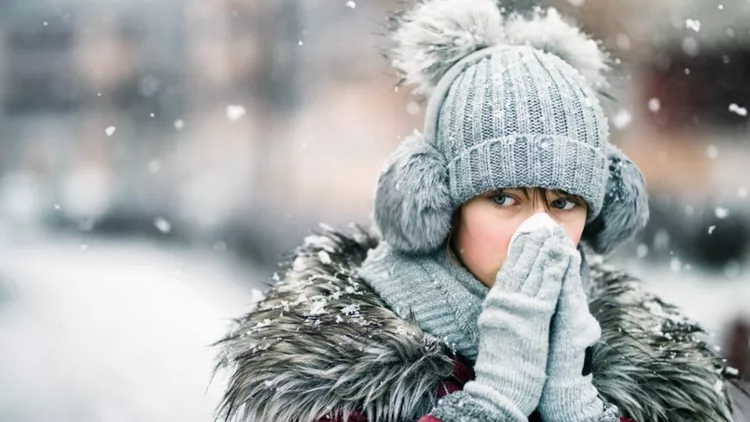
x=512 y=103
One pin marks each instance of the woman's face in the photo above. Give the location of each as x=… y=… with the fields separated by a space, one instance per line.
x=486 y=223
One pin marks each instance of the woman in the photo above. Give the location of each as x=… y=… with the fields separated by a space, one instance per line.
x=476 y=302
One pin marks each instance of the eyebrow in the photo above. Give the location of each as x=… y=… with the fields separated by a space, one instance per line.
x=544 y=192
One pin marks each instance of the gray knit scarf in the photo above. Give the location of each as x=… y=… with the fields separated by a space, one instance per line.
x=438 y=293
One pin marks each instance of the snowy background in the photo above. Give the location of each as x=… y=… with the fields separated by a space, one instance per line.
x=158 y=157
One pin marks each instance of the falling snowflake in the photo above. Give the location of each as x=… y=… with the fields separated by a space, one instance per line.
x=622 y=119
x=695 y=25
x=741 y=111
x=721 y=213
x=712 y=151
x=654 y=105
x=690 y=46
x=351 y=4
x=711 y=229
x=162 y=225
x=110 y=130
x=57 y=206
x=661 y=239
x=300 y=42
x=154 y=166
x=642 y=250
x=412 y=108
x=675 y=265
x=577 y=3
x=235 y=112
x=179 y=124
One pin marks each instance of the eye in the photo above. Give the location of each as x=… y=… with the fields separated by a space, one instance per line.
x=503 y=200
x=564 y=204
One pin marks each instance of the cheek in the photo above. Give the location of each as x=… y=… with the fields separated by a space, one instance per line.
x=483 y=241
x=573 y=225
x=575 y=233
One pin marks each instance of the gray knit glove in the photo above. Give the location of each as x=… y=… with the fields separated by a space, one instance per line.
x=569 y=394
x=514 y=333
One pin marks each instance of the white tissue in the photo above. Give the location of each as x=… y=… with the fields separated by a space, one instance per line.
x=535 y=222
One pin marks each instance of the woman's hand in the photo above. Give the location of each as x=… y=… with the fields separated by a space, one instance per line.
x=515 y=322
x=569 y=394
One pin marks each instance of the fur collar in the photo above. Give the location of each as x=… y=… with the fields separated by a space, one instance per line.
x=322 y=341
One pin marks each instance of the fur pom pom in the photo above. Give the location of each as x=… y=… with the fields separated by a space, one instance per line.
x=547 y=31
x=625 y=210
x=412 y=201
x=437 y=34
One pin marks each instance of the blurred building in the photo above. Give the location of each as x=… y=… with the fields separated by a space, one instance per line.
x=247 y=122
x=228 y=119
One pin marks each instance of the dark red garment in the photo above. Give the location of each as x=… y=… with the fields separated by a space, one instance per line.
x=461 y=375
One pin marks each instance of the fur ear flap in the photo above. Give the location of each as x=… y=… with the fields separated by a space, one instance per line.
x=412 y=202
x=625 y=210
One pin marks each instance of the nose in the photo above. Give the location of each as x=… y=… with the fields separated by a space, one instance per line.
x=539 y=207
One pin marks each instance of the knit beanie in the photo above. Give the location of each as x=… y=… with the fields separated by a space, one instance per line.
x=512 y=103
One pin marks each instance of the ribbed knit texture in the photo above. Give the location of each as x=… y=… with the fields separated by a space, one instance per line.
x=511 y=322
x=569 y=394
x=515 y=326
x=441 y=295
x=515 y=116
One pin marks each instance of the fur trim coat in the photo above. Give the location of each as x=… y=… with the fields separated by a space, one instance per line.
x=323 y=346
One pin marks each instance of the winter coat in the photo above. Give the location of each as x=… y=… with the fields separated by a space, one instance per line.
x=322 y=346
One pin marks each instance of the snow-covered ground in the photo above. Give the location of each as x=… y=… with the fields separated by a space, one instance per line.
x=709 y=298
x=113 y=331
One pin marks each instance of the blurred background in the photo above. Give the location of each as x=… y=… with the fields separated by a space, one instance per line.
x=159 y=157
